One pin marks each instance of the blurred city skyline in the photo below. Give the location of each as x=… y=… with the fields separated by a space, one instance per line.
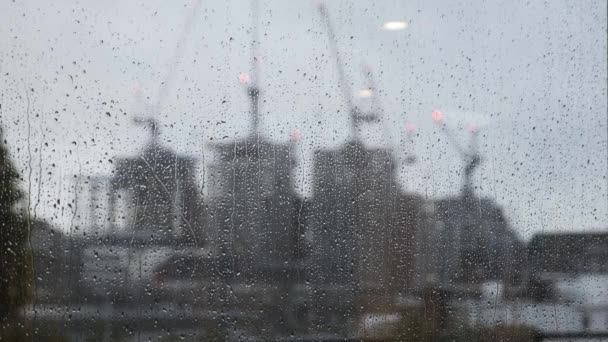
x=535 y=84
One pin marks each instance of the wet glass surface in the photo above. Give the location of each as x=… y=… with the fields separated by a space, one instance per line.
x=303 y=170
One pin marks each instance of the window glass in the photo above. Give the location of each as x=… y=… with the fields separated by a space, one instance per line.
x=303 y=170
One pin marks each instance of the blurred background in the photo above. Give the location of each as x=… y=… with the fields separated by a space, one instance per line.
x=304 y=170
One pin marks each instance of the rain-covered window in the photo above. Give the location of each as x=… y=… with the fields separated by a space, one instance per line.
x=266 y=170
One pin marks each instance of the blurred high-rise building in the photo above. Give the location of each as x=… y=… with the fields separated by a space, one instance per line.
x=253 y=204
x=159 y=191
x=364 y=233
x=257 y=220
x=476 y=242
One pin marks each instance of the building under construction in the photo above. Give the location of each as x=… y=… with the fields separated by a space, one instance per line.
x=474 y=242
x=160 y=188
x=364 y=231
x=253 y=204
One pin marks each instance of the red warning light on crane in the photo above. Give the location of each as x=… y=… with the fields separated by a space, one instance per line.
x=136 y=89
x=472 y=128
x=244 y=78
x=296 y=134
x=410 y=127
x=437 y=115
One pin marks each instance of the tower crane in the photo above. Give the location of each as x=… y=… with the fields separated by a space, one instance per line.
x=410 y=128
x=470 y=156
x=356 y=116
x=152 y=110
x=251 y=79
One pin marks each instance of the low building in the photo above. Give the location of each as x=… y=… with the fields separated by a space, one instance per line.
x=568 y=253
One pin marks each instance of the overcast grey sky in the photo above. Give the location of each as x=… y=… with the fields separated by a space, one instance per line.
x=531 y=74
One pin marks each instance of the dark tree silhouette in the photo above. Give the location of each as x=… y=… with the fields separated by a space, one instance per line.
x=15 y=257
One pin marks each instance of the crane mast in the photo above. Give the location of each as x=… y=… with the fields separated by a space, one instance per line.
x=253 y=91
x=378 y=109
